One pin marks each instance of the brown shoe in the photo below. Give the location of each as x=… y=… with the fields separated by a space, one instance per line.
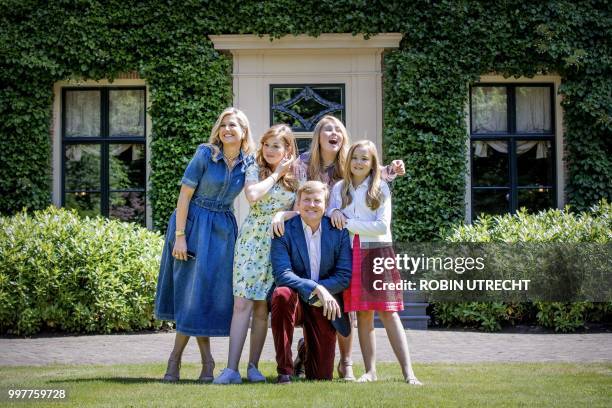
x=173 y=370
x=283 y=379
x=206 y=375
x=298 y=365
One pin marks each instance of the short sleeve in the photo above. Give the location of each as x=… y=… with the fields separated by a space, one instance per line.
x=196 y=167
x=252 y=173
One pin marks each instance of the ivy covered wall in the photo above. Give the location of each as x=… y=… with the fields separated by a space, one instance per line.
x=447 y=45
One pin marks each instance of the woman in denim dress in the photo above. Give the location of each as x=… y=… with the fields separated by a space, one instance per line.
x=195 y=278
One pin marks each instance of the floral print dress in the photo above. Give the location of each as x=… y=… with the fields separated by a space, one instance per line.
x=253 y=277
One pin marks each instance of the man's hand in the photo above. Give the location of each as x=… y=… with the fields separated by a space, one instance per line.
x=331 y=308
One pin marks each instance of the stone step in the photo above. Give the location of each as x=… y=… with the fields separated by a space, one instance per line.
x=414 y=309
x=409 y=322
x=415 y=296
x=414 y=316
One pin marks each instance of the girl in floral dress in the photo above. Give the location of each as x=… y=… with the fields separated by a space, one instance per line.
x=270 y=187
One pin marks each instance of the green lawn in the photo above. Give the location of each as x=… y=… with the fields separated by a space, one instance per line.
x=540 y=384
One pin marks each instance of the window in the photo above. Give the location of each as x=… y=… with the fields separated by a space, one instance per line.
x=512 y=154
x=103 y=152
x=302 y=106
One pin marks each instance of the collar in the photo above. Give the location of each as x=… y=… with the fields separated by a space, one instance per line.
x=363 y=184
x=308 y=230
x=239 y=158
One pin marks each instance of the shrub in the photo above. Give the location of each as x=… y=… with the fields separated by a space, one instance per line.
x=547 y=226
x=62 y=272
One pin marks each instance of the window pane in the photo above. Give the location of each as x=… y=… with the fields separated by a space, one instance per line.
x=82 y=167
x=126 y=166
x=86 y=203
x=535 y=199
x=533 y=113
x=82 y=113
x=128 y=207
x=492 y=202
x=489 y=109
x=126 y=112
x=301 y=107
x=490 y=163
x=303 y=144
x=280 y=95
x=534 y=163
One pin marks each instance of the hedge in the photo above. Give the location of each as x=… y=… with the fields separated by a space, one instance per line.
x=60 y=272
x=546 y=226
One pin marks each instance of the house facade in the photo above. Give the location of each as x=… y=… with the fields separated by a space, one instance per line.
x=478 y=136
x=514 y=157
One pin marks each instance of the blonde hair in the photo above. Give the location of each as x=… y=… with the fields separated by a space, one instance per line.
x=316 y=166
x=247 y=146
x=283 y=132
x=313 y=186
x=374 y=196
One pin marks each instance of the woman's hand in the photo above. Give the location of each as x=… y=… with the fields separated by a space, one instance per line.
x=180 y=248
x=398 y=167
x=338 y=219
x=278 y=224
x=284 y=166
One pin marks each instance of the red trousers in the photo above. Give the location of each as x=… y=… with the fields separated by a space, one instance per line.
x=319 y=335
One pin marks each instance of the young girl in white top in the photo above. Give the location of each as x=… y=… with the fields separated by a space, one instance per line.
x=361 y=202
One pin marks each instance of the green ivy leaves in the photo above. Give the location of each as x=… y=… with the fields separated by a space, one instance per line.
x=447 y=45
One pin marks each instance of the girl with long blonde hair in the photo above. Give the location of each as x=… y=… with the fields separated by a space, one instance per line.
x=361 y=203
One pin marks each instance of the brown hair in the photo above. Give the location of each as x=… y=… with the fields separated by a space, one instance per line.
x=247 y=145
x=374 y=196
x=315 y=166
x=313 y=186
x=283 y=132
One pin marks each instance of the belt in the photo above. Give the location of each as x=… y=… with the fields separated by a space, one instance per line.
x=212 y=205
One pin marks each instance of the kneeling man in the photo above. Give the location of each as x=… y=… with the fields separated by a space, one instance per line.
x=311 y=264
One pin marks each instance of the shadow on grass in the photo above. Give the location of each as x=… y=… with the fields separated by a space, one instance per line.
x=122 y=380
x=149 y=380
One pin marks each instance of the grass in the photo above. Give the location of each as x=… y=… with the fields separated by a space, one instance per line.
x=506 y=384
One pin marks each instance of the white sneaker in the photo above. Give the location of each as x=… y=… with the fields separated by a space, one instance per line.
x=228 y=376
x=254 y=375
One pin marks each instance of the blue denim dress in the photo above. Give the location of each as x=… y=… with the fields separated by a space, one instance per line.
x=197 y=293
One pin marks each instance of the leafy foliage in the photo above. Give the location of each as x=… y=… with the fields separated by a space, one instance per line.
x=546 y=226
x=447 y=45
x=61 y=272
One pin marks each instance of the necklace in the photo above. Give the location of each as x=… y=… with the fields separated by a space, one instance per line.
x=231 y=158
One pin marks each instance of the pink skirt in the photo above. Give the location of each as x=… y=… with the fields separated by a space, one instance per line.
x=361 y=294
